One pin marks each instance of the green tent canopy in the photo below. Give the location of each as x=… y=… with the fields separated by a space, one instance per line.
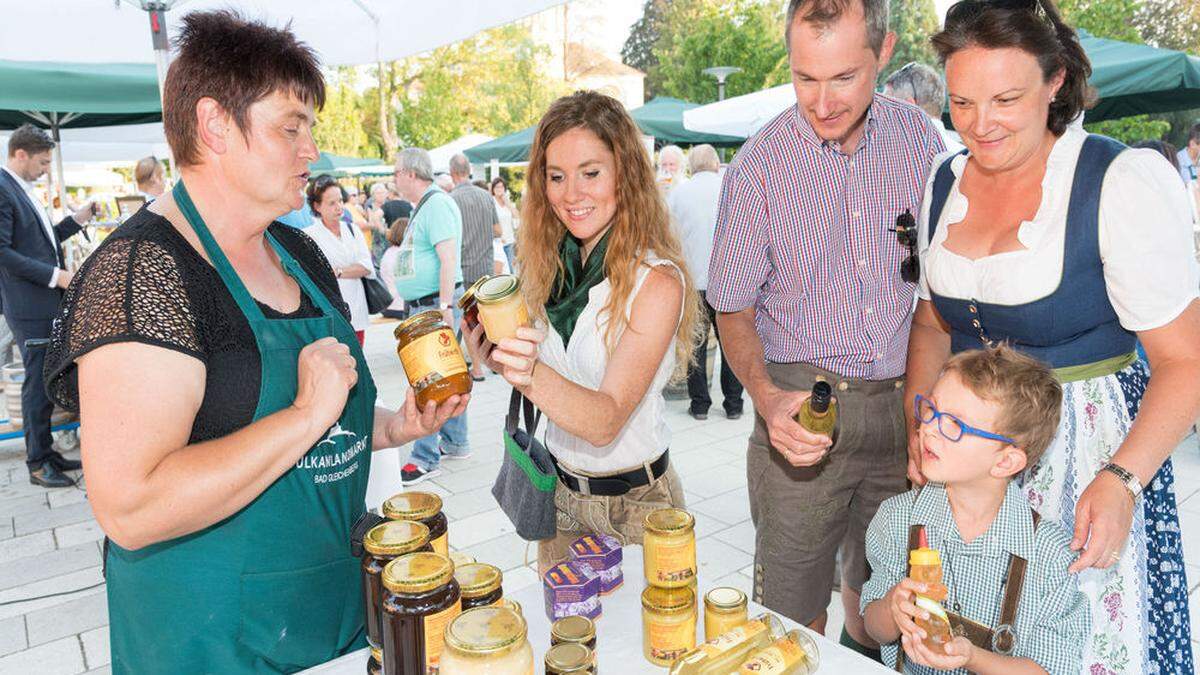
x=510 y=149
x=338 y=165
x=77 y=94
x=1134 y=79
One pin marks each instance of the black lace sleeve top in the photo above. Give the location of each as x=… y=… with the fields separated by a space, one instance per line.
x=147 y=284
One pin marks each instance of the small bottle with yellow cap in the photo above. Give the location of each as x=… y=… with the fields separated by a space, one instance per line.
x=925 y=566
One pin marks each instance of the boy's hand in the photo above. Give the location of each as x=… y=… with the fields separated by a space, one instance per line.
x=900 y=603
x=958 y=653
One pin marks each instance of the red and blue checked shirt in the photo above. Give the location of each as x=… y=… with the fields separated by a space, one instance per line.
x=803 y=237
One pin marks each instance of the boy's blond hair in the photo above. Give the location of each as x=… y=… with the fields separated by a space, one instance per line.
x=1029 y=396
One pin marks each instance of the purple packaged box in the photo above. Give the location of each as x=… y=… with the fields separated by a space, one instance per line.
x=571 y=589
x=602 y=554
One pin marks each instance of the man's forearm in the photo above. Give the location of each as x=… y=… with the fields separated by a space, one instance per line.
x=743 y=348
x=446 y=285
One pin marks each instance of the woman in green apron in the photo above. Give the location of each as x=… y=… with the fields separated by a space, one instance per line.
x=228 y=408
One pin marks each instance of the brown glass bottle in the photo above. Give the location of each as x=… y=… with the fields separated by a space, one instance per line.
x=480 y=584
x=421 y=598
x=384 y=543
x=425 y=508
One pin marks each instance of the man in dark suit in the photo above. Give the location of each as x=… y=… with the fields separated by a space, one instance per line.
x=32 y=279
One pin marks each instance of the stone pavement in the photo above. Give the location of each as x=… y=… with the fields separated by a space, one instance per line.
x=50 y=543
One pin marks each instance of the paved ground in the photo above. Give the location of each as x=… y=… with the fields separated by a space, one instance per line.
x=49 y=542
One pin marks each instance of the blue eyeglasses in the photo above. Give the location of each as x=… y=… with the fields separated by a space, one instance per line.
x=948 y=425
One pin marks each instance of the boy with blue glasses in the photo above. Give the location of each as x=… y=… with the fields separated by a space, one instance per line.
x=1011 y=605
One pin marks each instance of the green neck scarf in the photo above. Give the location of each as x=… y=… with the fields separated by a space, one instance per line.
x=569 y=295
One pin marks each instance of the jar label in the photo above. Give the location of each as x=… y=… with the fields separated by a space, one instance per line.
x=435 y=629
x=674 y=563
x=441 y=545
x=432 y=357
x=730 y=639
x=774 y=660
x=669 y=641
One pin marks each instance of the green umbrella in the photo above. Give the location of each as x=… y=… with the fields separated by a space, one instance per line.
x=59 y=95
x=662 y=118
x=1134 y=79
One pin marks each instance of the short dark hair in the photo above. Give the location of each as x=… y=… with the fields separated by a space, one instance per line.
x=823 y=13
x=1036 y=28
x=1194 y=133
x=318 y=187
x=30 y=139
x=237 y=63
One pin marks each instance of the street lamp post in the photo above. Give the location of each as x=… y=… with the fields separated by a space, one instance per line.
x=721 y=72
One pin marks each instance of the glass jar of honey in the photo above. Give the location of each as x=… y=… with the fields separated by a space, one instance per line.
x=669 y=543
x=480 y=584
x=384 y=543
x=570 y=658
x=576 y=629
x=668 y=624
x=432 y=359
x=487 y=641
x=501 y=307
x=375 y=663
x=468 y=305
x=425 y=508
x=421 y=599
x=724 y=610
x=793 y=654
x=511 y=604
x=459 y=558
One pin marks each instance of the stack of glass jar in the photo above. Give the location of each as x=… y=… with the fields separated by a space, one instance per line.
x=669 y=601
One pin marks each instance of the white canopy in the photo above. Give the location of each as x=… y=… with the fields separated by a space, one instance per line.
x=441 y=155
x=344 y=32
x=741 y=115
x=109 y=145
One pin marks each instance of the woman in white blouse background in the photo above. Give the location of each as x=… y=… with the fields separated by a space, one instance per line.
x=603 y=271
x=1071 y=248
x=344 y=247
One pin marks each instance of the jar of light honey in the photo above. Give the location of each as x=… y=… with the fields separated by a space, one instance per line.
x=724 y=610
x=432 y=359
x=669 y=548
x=668 y=624
x=487 y=641
x=501 y=307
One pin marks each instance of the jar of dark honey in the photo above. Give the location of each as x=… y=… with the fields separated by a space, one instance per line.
x=432 y=359
x=480 y=584
x=421 y=599
x=384 y=543
x=467 y=303
x=425 y=508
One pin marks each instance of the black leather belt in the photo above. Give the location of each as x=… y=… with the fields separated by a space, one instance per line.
x=617 y=485
x=431 y=300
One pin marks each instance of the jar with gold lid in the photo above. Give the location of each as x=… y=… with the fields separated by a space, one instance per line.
x=468 y=304
x=668 y=624
x=432 y=359
x=577 y=629
x=480 y=584
x=382 y=544
x=570 y=658
x=501 y=307
x=487 y=641
x=510 y=604
x=669 y=548
x=724 y=610
x=459 y=558
x=425 y=508
x=421 y=598
x=375 y=663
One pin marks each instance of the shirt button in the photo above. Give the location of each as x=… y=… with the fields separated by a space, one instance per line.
x=842 y=386
x=851 y=164
x=862 y=263
x=879 y=355
x=868 y=310
x=858 y=214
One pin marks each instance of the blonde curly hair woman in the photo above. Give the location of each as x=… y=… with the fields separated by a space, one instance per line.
x=604 y=273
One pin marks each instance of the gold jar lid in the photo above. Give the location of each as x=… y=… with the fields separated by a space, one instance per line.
x=668 y=600
x=459 y=559
x=670 y=521
x=431 y=315
x=477 y=579
x=497 y=289
x=724 y=599
x=573 y=629
x=417 y=573
x=568 y=657
x=485 y=631
x=509 y=603
x=396 y=537
x=468 y=295
x=412 y=506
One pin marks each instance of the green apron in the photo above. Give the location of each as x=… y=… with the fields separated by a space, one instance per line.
x=272 y=588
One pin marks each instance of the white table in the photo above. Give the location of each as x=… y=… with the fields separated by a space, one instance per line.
x=619 y=632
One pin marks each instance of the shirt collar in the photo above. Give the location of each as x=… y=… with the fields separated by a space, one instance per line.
x=806 y=132
x=20 y=181
x=1011 y=531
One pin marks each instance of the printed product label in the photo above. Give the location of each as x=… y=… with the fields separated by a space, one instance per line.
x=441 y=545
x=774 y=660
x=726 y=641
x=674 y=563
x=669 y=641
x=435 y=628
x=432 y=357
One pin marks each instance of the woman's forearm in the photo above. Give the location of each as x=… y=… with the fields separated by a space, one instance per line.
x=1168 y=410
x=928 y=349
x=202 y=484
x=354 y=271
x=984 y=662
x=589 y=414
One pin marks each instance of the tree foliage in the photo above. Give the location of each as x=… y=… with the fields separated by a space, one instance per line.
x=340 y=127
x=913 y=22
x=699 y=34
x=638 y=51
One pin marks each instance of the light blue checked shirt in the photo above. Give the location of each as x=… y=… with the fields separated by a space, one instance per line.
x=1053 y=617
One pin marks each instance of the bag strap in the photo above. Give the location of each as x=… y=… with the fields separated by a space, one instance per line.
x=1014 y=581
x=518 y=404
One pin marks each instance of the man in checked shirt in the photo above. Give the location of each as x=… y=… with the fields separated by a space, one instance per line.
x=806 y=277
